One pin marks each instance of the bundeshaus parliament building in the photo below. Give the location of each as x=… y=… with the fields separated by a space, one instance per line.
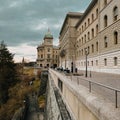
x=92 y=38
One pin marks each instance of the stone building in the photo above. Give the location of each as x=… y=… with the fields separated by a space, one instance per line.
x=98 y=37
x=67 y=40
x=47 y=53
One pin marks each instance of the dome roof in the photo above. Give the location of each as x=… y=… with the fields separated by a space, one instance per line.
x=48 y=35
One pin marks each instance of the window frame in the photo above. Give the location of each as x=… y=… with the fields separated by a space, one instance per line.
x=115 y=61
x=115 y=37
x=105 y=21
x=115 y=13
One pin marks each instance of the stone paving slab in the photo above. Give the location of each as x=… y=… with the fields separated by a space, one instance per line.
x=112 y=80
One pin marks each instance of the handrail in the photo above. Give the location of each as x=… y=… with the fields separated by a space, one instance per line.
x=105 y=86
x=102 y=85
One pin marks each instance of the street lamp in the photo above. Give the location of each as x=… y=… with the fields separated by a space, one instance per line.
x=86 y=54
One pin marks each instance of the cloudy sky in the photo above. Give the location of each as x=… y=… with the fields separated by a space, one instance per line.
x=23 y=23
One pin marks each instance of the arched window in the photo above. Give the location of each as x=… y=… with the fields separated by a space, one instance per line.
x=96 y=13
x=88 y=35
x=82 y=51
x=105 y=21
x=85 y=24
x=82 y=40
x=85 y=38
x=92 y=48
x=96 y=46
x=96 y=29
x=92 y=17
x=115 y=13
x=115 y=37
x=105 y=42
x=82 y=28
x=88 y=21
x=115 y=61
x=92 y=33
x=105 y=62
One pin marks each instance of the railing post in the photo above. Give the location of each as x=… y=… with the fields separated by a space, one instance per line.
x=116 y=99
x=89 y=86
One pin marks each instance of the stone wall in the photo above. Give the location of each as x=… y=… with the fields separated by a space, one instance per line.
x=52 y=110
x=82 y=104
x=55 y=108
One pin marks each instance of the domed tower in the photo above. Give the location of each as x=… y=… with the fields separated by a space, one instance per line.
x=48 y=38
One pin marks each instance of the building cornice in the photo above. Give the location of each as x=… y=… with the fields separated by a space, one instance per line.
x=70 y=15
x=87 y=11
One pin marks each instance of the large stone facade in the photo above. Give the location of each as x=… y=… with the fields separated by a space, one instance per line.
x=67 y=40
x=98 y=37
x=47 y=53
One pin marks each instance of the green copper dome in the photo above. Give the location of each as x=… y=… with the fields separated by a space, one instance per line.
x=48 y=35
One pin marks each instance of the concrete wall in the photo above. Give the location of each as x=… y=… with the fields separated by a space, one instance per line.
x=52 y=109
x=55 y=108
x=81 y=104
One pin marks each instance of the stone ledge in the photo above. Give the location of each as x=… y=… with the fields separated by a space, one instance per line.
x=99 y=106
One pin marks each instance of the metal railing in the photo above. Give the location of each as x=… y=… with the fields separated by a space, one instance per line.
x=99 y=84
x=104 y=86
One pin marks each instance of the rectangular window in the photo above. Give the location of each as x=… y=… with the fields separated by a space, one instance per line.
x=91 y=63
x=48 y=55
x=115 y=61
x=42 y=56
x=105 y=62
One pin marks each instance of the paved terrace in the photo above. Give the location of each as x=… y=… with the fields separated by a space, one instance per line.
x=110 y=80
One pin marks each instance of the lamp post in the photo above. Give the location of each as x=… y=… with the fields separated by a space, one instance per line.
x=86 y=54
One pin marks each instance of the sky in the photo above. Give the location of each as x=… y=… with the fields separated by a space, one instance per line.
x=23 y=23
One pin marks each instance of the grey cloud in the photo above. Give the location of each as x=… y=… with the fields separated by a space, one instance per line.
x=18 y=18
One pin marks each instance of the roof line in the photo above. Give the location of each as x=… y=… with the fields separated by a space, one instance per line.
x=91 y=5
x=70 y=14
